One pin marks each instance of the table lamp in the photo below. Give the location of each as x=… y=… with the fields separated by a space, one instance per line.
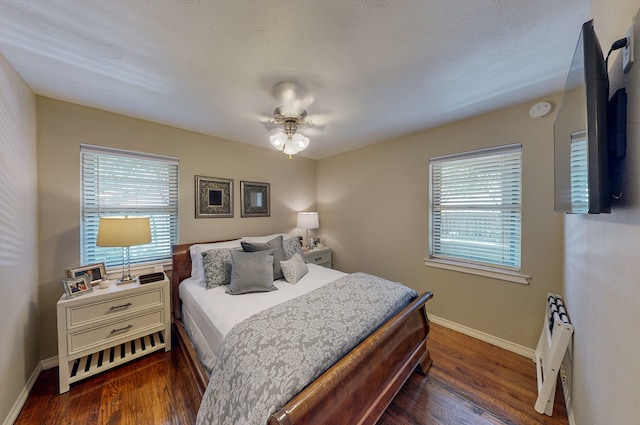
x=124 y=232
x=308 y=220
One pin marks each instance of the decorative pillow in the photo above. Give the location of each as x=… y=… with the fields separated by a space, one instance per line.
x=265 y=239
x=196 y=250
x=291 y=246
x=251 y=272
x=217 y=266
x=294 y=268
x=278 y=253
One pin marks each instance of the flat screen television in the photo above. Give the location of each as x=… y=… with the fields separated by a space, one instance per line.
x=581 y=153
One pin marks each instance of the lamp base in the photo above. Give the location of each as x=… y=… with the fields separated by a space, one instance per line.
x=126 y=268
x=127 y=279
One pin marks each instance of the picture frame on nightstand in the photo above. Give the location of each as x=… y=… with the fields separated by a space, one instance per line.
x=76 y=286
x=96 y=272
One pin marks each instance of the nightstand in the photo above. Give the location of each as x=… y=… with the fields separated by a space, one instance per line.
x=108 y=327
x=319 y=256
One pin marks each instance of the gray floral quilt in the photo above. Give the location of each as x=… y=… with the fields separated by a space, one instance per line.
x=271 y=356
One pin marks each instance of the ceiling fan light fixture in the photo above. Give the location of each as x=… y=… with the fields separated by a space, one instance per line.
x=287 y=139
x=278 y=140
x=301 y=141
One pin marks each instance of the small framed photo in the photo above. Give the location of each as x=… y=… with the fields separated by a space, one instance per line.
x=255 y=199
x=96 y=272
x=76 y=286
x=214 y=197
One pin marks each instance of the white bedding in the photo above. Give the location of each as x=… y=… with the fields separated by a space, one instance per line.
x=209 y=314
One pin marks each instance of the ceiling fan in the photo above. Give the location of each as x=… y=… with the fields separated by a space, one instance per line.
x=290 y=120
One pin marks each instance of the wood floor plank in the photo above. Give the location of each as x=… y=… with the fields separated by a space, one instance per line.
x=470 y=382
x=156 y=389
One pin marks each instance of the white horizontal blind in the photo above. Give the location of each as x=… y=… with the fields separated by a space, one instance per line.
x=579 y=157
x=475 y=207
x=118 y=183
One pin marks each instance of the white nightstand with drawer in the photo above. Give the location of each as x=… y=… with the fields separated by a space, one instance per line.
x=108 y=327
x=319 y=256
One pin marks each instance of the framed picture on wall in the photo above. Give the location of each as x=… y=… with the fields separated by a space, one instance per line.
x=255 y=199
x=214 y=197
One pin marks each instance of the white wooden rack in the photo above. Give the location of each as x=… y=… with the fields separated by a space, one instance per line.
x=552 y=346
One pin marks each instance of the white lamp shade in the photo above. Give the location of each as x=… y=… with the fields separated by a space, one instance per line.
x=123 y=231
x=308 y=220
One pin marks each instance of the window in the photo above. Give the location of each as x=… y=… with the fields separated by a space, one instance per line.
x=118 y=183
x=475 y=208
x=579 y=172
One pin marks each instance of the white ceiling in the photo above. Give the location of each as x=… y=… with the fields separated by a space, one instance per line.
x=372 y=69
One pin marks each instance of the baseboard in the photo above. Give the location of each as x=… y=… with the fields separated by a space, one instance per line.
x=49 y=363
x=493 y=340
x=22 y=398
x=567 y=384
x=514 y=348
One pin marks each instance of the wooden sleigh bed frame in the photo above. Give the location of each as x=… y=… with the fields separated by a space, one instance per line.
x=355 y=390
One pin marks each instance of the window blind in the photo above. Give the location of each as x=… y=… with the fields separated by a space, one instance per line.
x=579 y=171
x=475 y=206
x=119 y=183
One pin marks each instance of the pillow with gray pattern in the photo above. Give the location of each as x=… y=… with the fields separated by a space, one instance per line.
x=217 y=266
x=294 y=268
x=291 y=246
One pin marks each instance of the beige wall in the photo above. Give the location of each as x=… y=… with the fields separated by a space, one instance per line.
x=602 y=264
x=62 y=127
x=19 y=333
x=373 y=205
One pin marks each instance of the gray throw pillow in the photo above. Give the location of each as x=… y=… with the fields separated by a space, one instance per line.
x=274 y=244
x=217 y=266
x=251 y=272
x=291 y=246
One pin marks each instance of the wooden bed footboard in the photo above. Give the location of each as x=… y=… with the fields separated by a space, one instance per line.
x=359 y=387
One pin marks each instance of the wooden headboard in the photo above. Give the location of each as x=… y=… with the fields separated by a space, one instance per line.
x=181 y=269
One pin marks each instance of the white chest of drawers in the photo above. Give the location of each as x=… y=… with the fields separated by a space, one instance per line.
x=108 y=327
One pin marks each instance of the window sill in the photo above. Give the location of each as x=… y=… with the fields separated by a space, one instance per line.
x=478 y=270
x=139 y=268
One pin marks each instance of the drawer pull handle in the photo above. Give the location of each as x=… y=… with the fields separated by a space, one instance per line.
x=318 y=258
x=115 y=307
x=126 y=328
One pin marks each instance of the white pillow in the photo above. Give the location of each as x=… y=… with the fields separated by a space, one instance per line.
x=294 y=268
x=265 y=239
x=196 y=250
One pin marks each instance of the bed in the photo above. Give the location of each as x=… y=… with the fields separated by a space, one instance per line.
x=357 y=388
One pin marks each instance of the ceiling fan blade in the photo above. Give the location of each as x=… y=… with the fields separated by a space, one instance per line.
x=311 y=131
x=292 y=97
x=319 y=119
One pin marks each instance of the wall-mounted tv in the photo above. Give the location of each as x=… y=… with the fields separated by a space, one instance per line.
x=580 y=133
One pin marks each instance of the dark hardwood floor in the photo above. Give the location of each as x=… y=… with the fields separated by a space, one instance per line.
x=471 y=382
